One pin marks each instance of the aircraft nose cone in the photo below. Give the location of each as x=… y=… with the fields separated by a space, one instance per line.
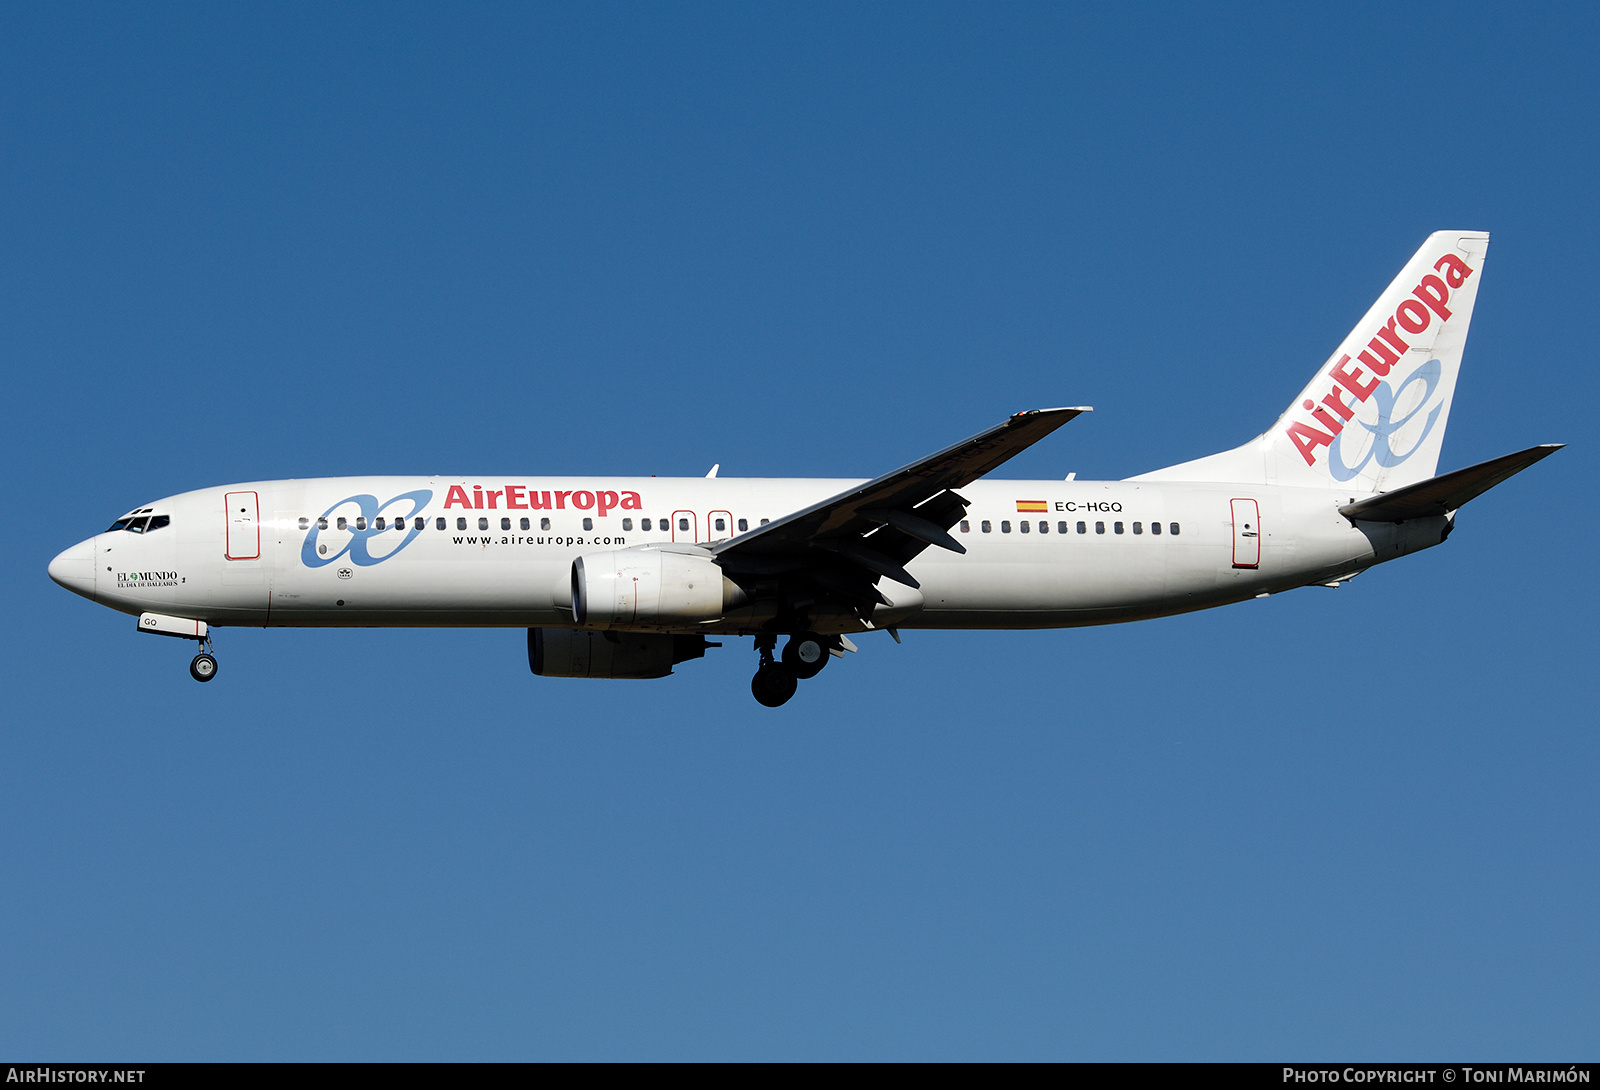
x=74 y=568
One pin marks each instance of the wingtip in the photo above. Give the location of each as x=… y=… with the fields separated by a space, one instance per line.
x=1062 y=409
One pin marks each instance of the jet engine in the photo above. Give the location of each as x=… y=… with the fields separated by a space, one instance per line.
x=567 y=652
x=650 y=586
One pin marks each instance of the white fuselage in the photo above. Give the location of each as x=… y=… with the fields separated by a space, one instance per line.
x=254 y=554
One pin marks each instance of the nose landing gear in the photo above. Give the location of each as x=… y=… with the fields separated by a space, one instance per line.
x=204 y=665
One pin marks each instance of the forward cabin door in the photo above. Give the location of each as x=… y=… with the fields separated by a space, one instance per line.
x=244 y=525
x=1246 y=534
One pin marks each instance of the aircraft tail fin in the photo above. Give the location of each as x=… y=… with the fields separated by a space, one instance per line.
x=1373 y=418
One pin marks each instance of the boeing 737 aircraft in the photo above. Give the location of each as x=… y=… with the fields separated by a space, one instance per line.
x=625 y=577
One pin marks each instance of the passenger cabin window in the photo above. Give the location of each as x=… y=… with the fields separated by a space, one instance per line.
x=765 y=521
x=305 y=524
x=461 y=524
x=1099 y=527
x=361 y=522
x=986 y=526
x=627 y=524
x=343 y=525
x=644 y=524
x=505 y=524
x=722 y=525
x=1025 y=526
x=1172 y=528
x=683 y=524
x=322 y=523
x=1062 y=528
x=483 y=524
x=524 y=524
x=1005 y=526
x=1117 y=526
x=966 y=527
x=438 y=523
x=744 y=524
x=1044 y=527
x=1155 y=528
x=588 y=524
x=1138 y=527
x=544 y=524
x=380 y=523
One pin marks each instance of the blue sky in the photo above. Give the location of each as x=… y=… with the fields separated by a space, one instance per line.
x=255 y=242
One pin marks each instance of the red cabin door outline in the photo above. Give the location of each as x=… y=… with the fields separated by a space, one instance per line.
x=685 y=526
x=242 y=510
x=715 y=532
x=1246 y=533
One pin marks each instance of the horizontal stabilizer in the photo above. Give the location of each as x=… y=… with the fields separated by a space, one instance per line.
x=1445 y=493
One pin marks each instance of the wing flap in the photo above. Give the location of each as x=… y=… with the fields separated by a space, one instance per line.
x=908 y=489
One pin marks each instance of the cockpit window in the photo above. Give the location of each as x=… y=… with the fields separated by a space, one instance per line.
x=140 y=522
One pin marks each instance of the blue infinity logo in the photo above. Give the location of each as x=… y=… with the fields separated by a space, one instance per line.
x=360 y=546
x=1384 y=429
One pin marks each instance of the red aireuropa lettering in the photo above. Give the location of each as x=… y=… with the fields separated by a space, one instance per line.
x=1416 y=312
x=604 y=501
x=1307 y=439
x=1350 y=379
x=561 y=500
x=1455 y=270
x=630 y=502
x=457 y=496
x=514 y=498
x=1382 y=352
x=1392 y=335
x=1433 y=292
x=583 y=500
x=1333 y=401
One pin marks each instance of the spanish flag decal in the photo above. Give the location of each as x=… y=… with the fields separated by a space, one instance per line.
x=1032 y=505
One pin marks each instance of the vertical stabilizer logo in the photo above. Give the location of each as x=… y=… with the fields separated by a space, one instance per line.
x=1363 y=380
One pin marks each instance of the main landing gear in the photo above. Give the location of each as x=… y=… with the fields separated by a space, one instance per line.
x=804 y=656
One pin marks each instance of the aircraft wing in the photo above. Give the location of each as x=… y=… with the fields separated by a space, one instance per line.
x=1445 y=493
x=847 y=541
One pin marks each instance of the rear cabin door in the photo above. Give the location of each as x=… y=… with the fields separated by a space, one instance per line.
x=244 y=525
x=1246 y=534
x=685 y=526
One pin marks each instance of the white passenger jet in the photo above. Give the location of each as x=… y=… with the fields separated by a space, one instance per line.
x=625 y=577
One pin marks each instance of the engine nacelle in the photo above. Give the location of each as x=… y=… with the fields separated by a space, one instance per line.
x=650 y=586
x=567 y=652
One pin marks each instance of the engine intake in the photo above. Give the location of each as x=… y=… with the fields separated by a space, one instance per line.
x=650 y=586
